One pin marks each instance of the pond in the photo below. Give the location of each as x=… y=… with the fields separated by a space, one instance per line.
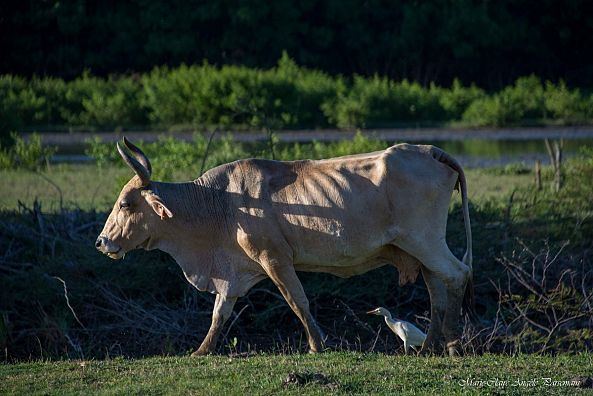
x=486 y=153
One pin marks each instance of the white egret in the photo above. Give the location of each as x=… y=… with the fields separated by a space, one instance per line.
x=410 y=334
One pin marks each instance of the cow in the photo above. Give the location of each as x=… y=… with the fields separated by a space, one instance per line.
x=252 y=219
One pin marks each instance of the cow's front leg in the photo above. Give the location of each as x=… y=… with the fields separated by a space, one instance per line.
x=276 y=261
x=223 y=308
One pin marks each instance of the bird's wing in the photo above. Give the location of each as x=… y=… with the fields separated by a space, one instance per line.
x=414 y=334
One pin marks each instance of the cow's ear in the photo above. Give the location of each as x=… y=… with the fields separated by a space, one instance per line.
x=157 y=204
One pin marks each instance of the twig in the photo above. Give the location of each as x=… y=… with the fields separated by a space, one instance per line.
x=207 y=151
x=233 y=322
x=50 y=181
x=68 y=301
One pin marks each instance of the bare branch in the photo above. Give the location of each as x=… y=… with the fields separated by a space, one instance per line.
x=68 y=300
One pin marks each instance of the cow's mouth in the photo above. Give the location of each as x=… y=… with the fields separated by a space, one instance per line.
x=119 y=254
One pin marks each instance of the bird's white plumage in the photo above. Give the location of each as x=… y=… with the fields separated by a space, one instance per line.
x=411 y=335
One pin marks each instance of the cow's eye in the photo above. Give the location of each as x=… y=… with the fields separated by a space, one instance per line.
x=124 y=205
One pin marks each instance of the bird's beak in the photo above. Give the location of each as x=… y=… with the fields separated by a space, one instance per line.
x=373 y=312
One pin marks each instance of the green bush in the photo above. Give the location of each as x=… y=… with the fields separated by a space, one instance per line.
x=379 y=102
x=285 y=96
x=567 y=106
x=104 y=102
x=456 y=99
x=85 y=101
x=312 y=90
x=169 y=154
x=19 y=103
x=523 y=101
x=30 y=155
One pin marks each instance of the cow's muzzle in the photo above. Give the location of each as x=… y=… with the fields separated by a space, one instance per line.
x=105 y=246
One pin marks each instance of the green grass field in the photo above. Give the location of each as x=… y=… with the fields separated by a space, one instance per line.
x=341 y=373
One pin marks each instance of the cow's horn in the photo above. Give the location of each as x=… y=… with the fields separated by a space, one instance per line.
x=136 y=166
x=140 y=156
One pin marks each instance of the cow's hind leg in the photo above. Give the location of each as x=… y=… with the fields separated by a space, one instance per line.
x=452 y=324
x=438 y=304
x=223 y=308
x=438 y=259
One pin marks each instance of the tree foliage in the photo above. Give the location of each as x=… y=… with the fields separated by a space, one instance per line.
x=286 y=96
x=489 y=43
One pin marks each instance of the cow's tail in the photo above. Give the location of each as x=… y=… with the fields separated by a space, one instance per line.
x=468 y=298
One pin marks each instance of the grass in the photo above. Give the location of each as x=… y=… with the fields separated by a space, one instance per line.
x=81 y=186
x=344 y=373
x=86 y=187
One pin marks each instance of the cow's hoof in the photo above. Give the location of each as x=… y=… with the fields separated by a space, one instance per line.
x=454 y=348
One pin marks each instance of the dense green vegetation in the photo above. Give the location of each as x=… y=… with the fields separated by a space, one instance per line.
x=286 y=96
x=491 y=43
x=336 y=373
x=531 y=259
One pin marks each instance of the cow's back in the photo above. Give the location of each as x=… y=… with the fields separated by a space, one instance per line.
x=341 y=211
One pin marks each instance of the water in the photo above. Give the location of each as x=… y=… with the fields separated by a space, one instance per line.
x=482 y=153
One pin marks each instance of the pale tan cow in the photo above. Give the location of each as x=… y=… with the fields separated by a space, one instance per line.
x=251 y=219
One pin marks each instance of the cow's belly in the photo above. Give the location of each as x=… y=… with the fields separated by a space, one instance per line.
x=346 y=269
x=330 y=243
x=407 y=265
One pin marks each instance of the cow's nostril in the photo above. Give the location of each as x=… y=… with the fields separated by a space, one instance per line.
x=99 y=242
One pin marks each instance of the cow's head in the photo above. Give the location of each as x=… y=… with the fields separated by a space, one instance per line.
x=134 y=220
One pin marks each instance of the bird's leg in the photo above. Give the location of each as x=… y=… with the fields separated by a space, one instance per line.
x=406 y=347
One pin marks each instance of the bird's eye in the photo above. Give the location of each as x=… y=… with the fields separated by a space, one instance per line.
x=124 y=205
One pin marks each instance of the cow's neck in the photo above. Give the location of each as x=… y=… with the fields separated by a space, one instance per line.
x=196 y=234
x=199 y=217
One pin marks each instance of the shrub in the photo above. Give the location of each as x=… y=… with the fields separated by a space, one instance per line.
x=19 y=103
x=565 y=105
x=103 y=102
x=286 y=96
x=30 y=155
x=457 y=98
x=528 y=101
x=380 y=102
x=312 y=89
x=523 y=101
x=168 y=155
